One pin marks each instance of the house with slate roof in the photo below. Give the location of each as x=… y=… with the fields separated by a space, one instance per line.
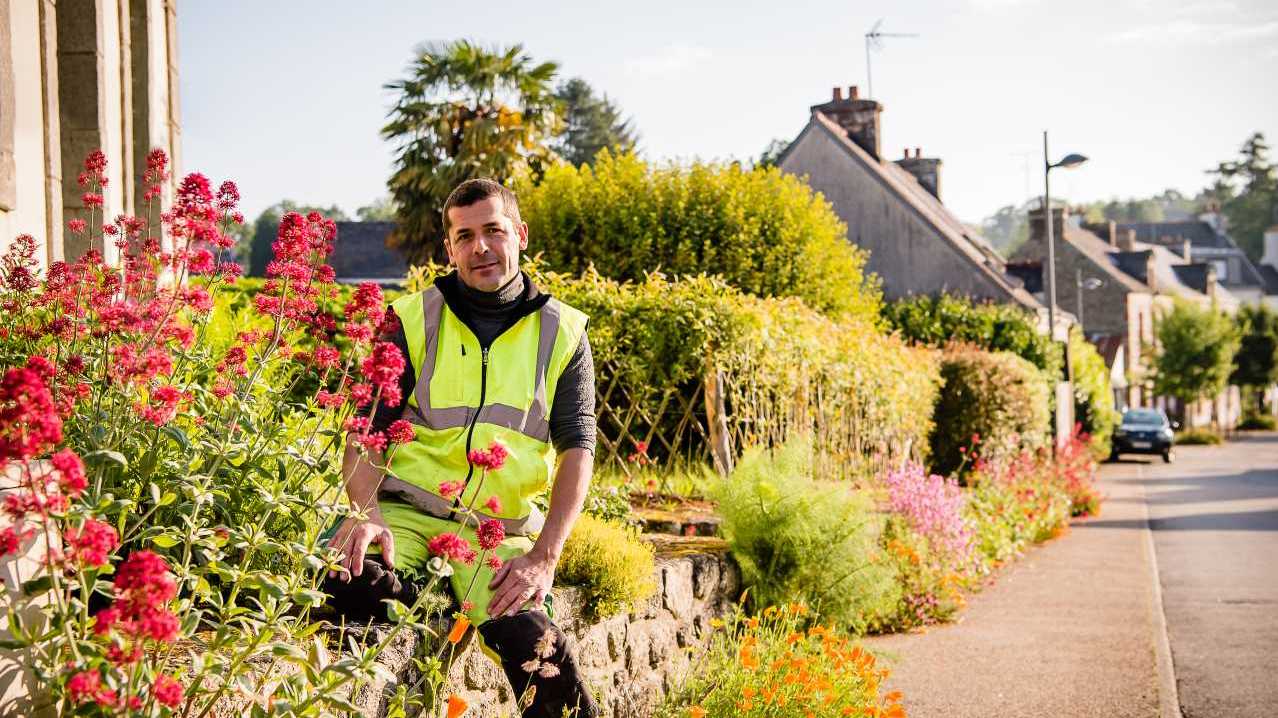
x=360 y=255
x=1138 y=281
x=1205 y=240
x=1268 y=267
x=893 y=209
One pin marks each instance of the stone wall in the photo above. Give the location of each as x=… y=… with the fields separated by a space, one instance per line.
x=629 y=660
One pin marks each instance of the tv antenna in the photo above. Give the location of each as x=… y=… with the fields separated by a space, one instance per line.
x=874 y=41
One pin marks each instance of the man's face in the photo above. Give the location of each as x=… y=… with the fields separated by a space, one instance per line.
x=484 y=244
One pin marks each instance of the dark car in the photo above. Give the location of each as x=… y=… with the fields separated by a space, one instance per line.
x=1144 y=431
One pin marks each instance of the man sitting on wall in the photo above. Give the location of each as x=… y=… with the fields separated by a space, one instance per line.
x=490 y=359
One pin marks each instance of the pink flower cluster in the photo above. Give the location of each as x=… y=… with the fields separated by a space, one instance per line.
x=143 y=587
x=933 y=505
x=452 y=547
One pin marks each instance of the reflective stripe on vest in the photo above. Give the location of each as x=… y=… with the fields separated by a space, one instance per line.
x=535 y=423
x=442 y=508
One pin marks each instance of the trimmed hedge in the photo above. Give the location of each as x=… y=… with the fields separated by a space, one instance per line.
x=763 y=231
x=992 y=403
x=787 y=369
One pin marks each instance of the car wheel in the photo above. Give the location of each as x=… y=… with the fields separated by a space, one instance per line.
x=1168 y=456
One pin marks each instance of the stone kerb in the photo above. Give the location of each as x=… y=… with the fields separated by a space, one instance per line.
x=630 y=660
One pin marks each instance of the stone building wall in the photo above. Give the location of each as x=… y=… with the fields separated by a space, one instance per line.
x=630 y=660
x=75 y=76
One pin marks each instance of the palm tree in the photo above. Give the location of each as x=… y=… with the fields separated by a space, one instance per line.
x=464 y=111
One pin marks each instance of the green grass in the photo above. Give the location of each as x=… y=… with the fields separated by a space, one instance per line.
x=1258 y=422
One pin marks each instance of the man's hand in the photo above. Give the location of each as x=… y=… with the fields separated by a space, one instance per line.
x=518 y=581
x=353 y=538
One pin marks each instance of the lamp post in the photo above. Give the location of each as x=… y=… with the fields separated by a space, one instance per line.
x=1070 y=161
x=1079 y=285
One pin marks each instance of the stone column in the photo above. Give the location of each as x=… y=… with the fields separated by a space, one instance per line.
x=152 y=33
x=90 y=103
x=8 y=113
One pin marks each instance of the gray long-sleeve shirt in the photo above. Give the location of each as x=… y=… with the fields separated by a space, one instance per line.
x=488 y=314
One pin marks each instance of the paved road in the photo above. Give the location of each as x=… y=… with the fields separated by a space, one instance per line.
x=1214 y=515
x=1077 y=627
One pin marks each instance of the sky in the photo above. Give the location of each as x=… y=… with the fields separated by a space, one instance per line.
x=287 y=98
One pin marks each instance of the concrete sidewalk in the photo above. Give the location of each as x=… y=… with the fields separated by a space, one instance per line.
x=1073 y=628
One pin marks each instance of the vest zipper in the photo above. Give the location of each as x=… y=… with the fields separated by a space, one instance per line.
x=470 y=430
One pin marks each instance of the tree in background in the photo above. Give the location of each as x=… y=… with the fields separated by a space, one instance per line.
x=267 y=226
x=1195 y=354
x=591 y=123
x=463 y=111
x=1256 y=363
x=771 y=154
x=763 y=231
x=1247 y=189
x=1008 y=228
x=382 y=209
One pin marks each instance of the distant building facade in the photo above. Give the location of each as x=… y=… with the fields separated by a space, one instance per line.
x=75 y=76
x=361 y=255
x=893 y=209
x=1205 y=241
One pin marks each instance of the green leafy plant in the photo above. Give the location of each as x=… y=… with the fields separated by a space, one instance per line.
x=610 y=563
x=1198 y=437
x=800 y=539
x=1093 y=394
x=996 y=400
x=1258 y=422
x=1195 y=352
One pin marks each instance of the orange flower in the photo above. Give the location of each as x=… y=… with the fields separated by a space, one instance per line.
x=696 y=712
x=459 y=629
x=894 y=711
x=893 y=697
x=752 y=623
x=456 y=706
x=748 y=691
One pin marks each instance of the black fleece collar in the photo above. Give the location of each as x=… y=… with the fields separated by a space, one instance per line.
x=467 y=303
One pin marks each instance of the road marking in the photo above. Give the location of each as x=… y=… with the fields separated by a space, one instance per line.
x=1168 y=697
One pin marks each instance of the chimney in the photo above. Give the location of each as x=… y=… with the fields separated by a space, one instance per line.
x=1186 y=248
x=1149 y=278
x=1127 y=242
x=1111 y=236
x=926 y=171
x=1038 y=230
x=859 y=118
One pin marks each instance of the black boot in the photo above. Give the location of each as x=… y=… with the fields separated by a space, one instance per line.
x=528 y=640
x=361 y=599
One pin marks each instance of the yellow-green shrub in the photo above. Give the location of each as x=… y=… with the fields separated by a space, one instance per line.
x=763 y=231
x=609 y=562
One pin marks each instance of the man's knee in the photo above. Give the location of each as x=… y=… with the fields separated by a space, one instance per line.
x=363 y=597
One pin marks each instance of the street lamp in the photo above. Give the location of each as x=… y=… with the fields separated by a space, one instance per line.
x=1080 y=284
x=1069 y=162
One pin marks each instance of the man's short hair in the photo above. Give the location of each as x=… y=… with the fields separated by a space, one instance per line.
x=478 y=190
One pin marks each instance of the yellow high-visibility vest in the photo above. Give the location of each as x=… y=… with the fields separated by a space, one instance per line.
x=466 y=397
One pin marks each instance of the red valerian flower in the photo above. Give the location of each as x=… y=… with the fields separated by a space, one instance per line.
x=164 y=405
x=493 y=562
x=92 y=199
x=400 y=431
x=452 y=547
x=228 y=196
x=490 y=534
x=143 y=579
x=77 y=226
x=361 y=394
x=92 y=543
x=84 y=686
x=70 y=469
x=329 y=400
x=366 y=300
x=492 y=459
x=356 y=425
x=29 y=422
x=11 y=539
x=373 y=441
x=384 y=365
x=168 y=691
x=158 y=624
x=451 y=489
x=493 y=504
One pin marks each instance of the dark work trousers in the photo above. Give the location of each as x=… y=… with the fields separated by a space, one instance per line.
x=533 y=652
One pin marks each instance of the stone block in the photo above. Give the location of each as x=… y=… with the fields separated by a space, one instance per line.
x=676 y=584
